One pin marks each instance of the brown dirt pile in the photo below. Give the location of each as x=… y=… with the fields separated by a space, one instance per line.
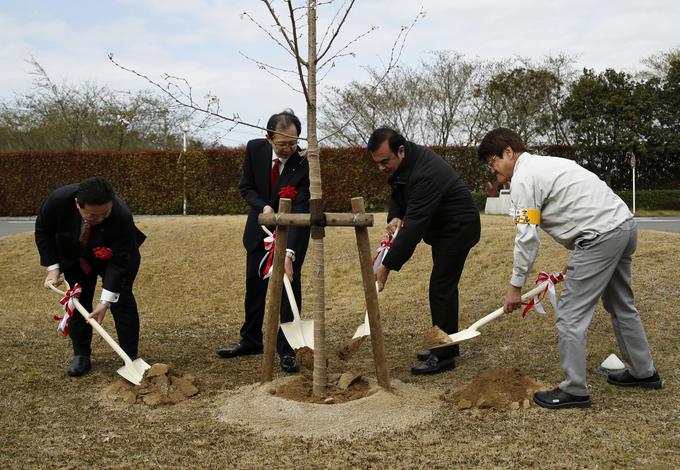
x=435 y=336
x=347 y=351
x=496 y=389
x=161 y=385
x=341 y=389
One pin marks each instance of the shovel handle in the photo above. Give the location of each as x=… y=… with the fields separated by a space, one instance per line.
x=497 y=313
x=102 y=332
x=291 y=297
x=286 y=283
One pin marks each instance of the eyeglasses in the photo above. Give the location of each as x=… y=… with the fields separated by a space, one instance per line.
x=490 y=161
x=282 y=145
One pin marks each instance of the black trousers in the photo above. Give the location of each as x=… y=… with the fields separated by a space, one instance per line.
x=125 y=313
x=256 y=292
x=448 y=261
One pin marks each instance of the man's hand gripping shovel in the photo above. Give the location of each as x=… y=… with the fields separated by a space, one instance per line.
x=132 y=371
x=546 y=283
x=299 y=332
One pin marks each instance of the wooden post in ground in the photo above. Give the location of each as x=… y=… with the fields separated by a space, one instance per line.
x=273 y=310
x=372 y=306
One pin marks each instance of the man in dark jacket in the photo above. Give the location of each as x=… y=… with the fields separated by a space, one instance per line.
x=429 y=202
x=272 y=167
x=84 y=231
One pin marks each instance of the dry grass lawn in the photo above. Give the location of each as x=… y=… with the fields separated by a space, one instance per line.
x=190 y=294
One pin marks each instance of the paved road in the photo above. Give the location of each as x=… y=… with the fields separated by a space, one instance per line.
x=10 y=225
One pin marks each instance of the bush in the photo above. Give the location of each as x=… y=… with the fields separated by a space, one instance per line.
x=153 y=182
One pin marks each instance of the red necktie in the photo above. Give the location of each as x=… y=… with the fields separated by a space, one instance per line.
x=84 y=265
x=275 y=174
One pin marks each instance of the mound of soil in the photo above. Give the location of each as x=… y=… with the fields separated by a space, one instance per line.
x=341 y=389
x=435 y=336
x=496 y=389
x=161 y=385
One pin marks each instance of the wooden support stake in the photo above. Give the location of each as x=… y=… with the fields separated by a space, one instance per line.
x=377 y=340
x=273 y=310
x=330 y=219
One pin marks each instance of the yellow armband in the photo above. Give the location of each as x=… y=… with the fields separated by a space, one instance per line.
x=528 y=216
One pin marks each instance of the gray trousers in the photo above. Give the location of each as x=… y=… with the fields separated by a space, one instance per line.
x=601 y=267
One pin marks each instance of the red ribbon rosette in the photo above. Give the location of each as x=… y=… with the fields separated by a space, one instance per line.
x=102 y=253
x=288 y=192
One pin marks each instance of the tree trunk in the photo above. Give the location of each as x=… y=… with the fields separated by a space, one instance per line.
x=317 y=233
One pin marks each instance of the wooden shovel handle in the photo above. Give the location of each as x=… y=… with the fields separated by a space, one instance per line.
x=497 y=313
x=102 y=332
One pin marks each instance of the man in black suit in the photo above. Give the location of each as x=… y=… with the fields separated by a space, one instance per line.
x=84 y=231
x=429 y=202
x=272 y=165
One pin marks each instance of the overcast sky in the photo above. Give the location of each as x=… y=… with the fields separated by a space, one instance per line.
x=202 y=41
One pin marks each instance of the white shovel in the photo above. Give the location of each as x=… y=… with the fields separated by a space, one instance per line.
x=472 y=330
x=299 y=332
x=132 y=371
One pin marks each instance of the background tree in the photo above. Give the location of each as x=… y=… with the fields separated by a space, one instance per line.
x=88 y=116
x=610 y=114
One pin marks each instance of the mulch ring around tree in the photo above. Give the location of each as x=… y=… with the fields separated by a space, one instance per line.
x=495 y=390
x=285 y=406
x=161 y=385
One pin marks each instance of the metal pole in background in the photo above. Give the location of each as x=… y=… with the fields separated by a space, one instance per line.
x=631 y=159
x=185 y=129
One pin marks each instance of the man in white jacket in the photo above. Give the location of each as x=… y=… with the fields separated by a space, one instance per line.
x=583 y=214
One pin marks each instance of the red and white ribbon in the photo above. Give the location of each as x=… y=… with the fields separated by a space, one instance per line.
x=69 y=303
x=267 y=264
x=535 y=302
x=382 y=250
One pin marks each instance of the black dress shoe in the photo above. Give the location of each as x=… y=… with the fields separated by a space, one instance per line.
x=556 y=398
x=434 y=365
x=80 y=365
x=239 y=350
x=425 y=355
x=626 y=379
x=289 y=364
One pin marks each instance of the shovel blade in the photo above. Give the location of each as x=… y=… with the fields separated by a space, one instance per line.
x=134 y=372
x=364 y=329
x=293 y=334
x=132 y=375
x=463 y=335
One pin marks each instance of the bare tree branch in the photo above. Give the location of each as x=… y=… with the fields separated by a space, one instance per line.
x=293 y=49
x=337 y=30
x=212 y=100
x=339 y=52
x=288 y=50
x=297 y=52
x=395 y=55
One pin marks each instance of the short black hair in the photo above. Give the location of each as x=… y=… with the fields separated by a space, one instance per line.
x=281 y=121
x=380 y=135
x=95 y=190
x=496 y=140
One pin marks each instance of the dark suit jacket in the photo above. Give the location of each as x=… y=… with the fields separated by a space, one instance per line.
x=57 y=232
x=255 y=189
x=433 y=203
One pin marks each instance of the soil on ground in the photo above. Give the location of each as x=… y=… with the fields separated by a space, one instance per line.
x=161 y=385
x=496 y=389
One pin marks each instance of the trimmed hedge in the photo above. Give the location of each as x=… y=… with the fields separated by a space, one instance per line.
x=152 y=182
